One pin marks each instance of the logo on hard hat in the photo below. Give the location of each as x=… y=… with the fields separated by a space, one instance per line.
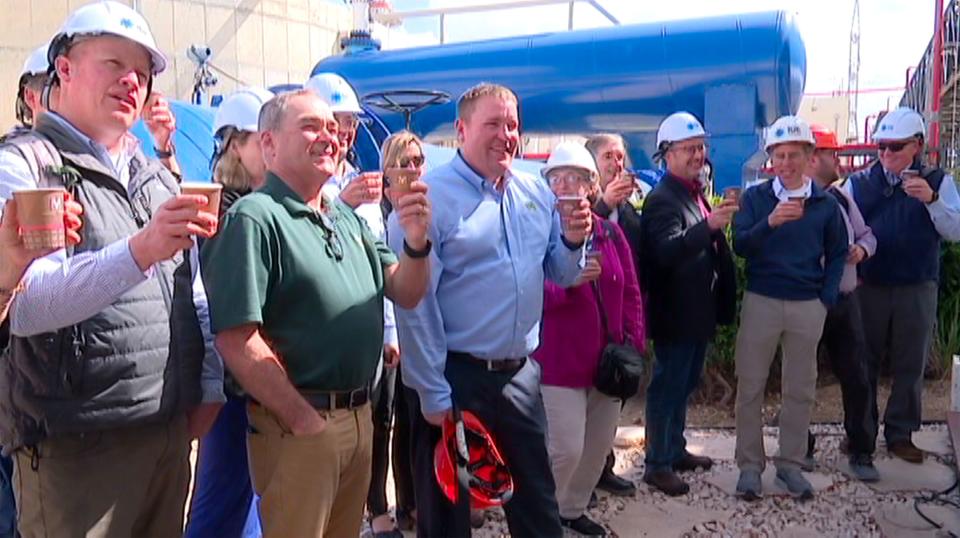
x=886 y=127
x=691 y=126
x=793 y=129
x=336 y=97
x=778 y=133
x=126 y=23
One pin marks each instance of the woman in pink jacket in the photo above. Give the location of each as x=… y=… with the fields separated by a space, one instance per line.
x=581 y=420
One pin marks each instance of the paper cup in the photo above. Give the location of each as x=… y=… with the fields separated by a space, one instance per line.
x=732 y=194
x=210 y=190
x=400 y=179
x=567 y=204
x=40 y=212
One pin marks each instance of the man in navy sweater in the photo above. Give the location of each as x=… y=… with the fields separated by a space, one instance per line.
x=910 y=208
x=795 y=242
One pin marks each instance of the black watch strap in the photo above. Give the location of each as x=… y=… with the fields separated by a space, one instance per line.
x=409 y=251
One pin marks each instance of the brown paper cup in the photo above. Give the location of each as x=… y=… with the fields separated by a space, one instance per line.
x=567 y=205
x=732 y=194
x=40 y=212
x=400 y=179
x=211 y=191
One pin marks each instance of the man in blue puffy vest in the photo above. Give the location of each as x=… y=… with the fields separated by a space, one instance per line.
x=910 y=208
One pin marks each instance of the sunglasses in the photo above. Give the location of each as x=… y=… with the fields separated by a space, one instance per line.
x=416 y=161
x=892 y=146
x=333 y=247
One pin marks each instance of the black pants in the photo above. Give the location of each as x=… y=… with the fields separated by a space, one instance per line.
x=385 y=400
x=843 y=338
x=511 y=407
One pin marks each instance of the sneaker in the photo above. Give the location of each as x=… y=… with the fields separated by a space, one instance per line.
x=749 y=487
x=809 y=463
x=861 y=465
x=905 y=450
x=794 y=482
x=692 y=462
x=405 y=519
x=477 y=518
x=584 y=526
x=666 y=481
x=613 y=484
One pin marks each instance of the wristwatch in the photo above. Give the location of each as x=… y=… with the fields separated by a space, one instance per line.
x=409 y=251
x=161 y=154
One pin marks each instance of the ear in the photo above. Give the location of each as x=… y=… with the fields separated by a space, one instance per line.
x=63 y=67
x=459 y=125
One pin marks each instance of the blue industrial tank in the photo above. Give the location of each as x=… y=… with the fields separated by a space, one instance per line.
x=737 y=73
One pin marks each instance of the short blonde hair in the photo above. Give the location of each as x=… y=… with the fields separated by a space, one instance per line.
x=394 y=145
x=468 y=100
x=229 y=170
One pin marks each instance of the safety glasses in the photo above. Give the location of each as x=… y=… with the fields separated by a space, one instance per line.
x=895 y=147
x=416 y=161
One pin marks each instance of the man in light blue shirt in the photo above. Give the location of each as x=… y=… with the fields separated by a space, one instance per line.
x=496 y=235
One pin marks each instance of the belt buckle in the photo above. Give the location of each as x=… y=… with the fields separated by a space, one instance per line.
x=355 y=396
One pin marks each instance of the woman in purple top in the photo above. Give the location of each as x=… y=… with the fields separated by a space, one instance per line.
x=581 y=420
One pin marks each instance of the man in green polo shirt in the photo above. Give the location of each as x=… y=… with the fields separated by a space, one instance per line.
x=296 y=286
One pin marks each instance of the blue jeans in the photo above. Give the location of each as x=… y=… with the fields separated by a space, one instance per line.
x=224 y=503
x=8 y=506
x=676 y=374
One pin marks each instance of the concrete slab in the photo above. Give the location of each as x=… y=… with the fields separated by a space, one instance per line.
x=629 y=437
x=723 y=446
x=902 y=521
x=798 y=531
x=667 y=519
x=726 y=481
x=898 y=475
x=933 y=441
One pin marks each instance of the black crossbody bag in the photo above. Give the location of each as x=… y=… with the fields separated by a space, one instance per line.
x=621 y=365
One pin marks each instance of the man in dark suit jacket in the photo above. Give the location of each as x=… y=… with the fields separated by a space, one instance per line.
x=690 y=286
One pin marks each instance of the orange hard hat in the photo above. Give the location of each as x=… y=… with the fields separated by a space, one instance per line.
x=476 y=464
x=826 y=139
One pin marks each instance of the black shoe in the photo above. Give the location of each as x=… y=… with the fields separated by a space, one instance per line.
x=616 y=485
x=667 y=481
x=477 y=518
x=593 y=500
x=692 y=462
x=584 y=526
x=405 y=520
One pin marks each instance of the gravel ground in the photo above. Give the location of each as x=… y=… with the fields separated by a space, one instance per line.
x=847 y=508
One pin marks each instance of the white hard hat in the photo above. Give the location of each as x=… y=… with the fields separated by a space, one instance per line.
x=788 y=129
x=335 y=91
x=241 y=109
x=573 y=155
x=37 y=61
x=677 y=127
x=108 y=17
x=900 y=124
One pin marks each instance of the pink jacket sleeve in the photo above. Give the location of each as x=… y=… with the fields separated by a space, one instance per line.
x=633 y=319
x=553 y=295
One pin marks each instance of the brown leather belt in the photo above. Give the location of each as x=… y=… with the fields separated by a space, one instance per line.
x=331 y=401
x=490 y=365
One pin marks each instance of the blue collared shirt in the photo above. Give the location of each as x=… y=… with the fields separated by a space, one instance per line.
x=491 y=252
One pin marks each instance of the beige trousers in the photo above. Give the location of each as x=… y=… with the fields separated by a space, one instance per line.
x=122 y=483
x=314 y=485
x=581 y=425
x=796 y=327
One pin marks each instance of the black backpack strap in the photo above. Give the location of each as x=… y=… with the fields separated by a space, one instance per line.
x=840 y=198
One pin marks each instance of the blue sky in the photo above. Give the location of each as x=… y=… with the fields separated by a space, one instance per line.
x=893 y=33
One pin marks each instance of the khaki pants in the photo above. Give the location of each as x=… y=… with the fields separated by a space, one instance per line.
x=581 y=425
x=313 y=485
x=796 y=326
x=125 y=482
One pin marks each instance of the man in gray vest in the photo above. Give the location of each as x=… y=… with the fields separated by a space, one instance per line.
x=101 y=388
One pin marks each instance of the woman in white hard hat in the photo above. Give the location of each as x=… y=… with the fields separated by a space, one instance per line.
x=223 y=501
x=794 y=241
x=578 y=322
x=33 y=77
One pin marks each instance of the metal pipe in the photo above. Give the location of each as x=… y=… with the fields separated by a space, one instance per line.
x=433 y=12
x=937 y=78
x=570 y=18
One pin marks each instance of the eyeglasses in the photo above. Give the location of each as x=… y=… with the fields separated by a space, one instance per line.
x=333 y=247
x=895 y=147
x=691 y=149
x=571 y=179
x=347 y=121
x=416 y=161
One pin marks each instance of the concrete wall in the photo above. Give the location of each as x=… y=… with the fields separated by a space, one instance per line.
x=259 y=42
